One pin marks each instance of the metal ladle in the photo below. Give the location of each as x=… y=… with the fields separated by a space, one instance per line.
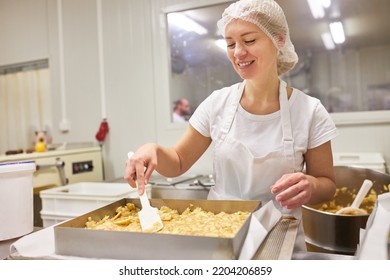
x=354 y=208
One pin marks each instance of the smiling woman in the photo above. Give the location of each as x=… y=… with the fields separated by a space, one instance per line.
x=24 y=104
x=263 y=131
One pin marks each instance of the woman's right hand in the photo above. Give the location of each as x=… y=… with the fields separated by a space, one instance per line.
x=167 y=161
x=141 y=166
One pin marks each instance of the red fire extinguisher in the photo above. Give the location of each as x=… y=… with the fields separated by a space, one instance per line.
x=103 y=130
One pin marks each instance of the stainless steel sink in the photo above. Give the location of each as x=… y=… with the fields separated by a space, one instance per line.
x=190 y=187
x=179 y=192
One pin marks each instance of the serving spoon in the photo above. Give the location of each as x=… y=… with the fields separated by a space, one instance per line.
x=354 y=208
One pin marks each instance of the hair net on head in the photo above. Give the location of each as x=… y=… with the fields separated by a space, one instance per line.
x=270 y=18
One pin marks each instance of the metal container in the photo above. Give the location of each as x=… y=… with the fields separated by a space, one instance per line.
x=72 y=239
x=339 y=234
x=180 y=192
x=193 y=188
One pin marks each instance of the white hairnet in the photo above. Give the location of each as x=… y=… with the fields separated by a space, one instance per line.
x=270 y=18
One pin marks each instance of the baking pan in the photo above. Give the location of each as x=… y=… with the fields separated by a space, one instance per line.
x=72 y=239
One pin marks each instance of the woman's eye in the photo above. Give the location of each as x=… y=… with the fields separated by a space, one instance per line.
x=231 y=45
x=248 y=42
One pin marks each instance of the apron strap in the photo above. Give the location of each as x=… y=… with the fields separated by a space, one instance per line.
x=231 y=112
x=288 y=140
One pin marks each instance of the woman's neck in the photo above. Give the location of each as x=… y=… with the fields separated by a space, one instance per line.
x=261 y=97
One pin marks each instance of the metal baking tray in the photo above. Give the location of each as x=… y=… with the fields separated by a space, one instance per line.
x=72 y=239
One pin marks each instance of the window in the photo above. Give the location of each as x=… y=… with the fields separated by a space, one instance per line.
x=354 y=76
x=25 y=104
x=198 y=64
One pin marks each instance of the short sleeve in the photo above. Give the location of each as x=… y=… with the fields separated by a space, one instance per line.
x=200 y=119
x=210 y=114
x=322 y=128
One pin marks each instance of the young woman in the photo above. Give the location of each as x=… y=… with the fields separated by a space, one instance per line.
x=272 y=142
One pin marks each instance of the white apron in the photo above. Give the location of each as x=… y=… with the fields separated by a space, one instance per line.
x=241 y=176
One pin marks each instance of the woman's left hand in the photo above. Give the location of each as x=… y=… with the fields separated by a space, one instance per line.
x=293 y=190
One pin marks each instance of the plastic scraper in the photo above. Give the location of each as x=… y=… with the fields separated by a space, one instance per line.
x=148 y=216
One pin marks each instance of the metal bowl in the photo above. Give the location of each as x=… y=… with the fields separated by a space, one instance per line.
x=339 y=234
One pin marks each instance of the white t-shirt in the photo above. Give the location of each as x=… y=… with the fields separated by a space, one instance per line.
x=177 y=118
x=312 y=126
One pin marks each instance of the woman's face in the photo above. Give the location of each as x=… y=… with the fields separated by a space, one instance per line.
x=251 y=52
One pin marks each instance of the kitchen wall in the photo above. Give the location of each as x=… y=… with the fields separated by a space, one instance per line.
x=127 y=99
x=135 y=97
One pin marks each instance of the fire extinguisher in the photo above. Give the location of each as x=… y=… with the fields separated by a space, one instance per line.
x=102 y=133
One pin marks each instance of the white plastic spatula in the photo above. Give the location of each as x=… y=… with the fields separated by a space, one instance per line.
x=354 y=208
x=148 y=216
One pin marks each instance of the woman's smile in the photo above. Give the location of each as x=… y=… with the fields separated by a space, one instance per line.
x=244 y=64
